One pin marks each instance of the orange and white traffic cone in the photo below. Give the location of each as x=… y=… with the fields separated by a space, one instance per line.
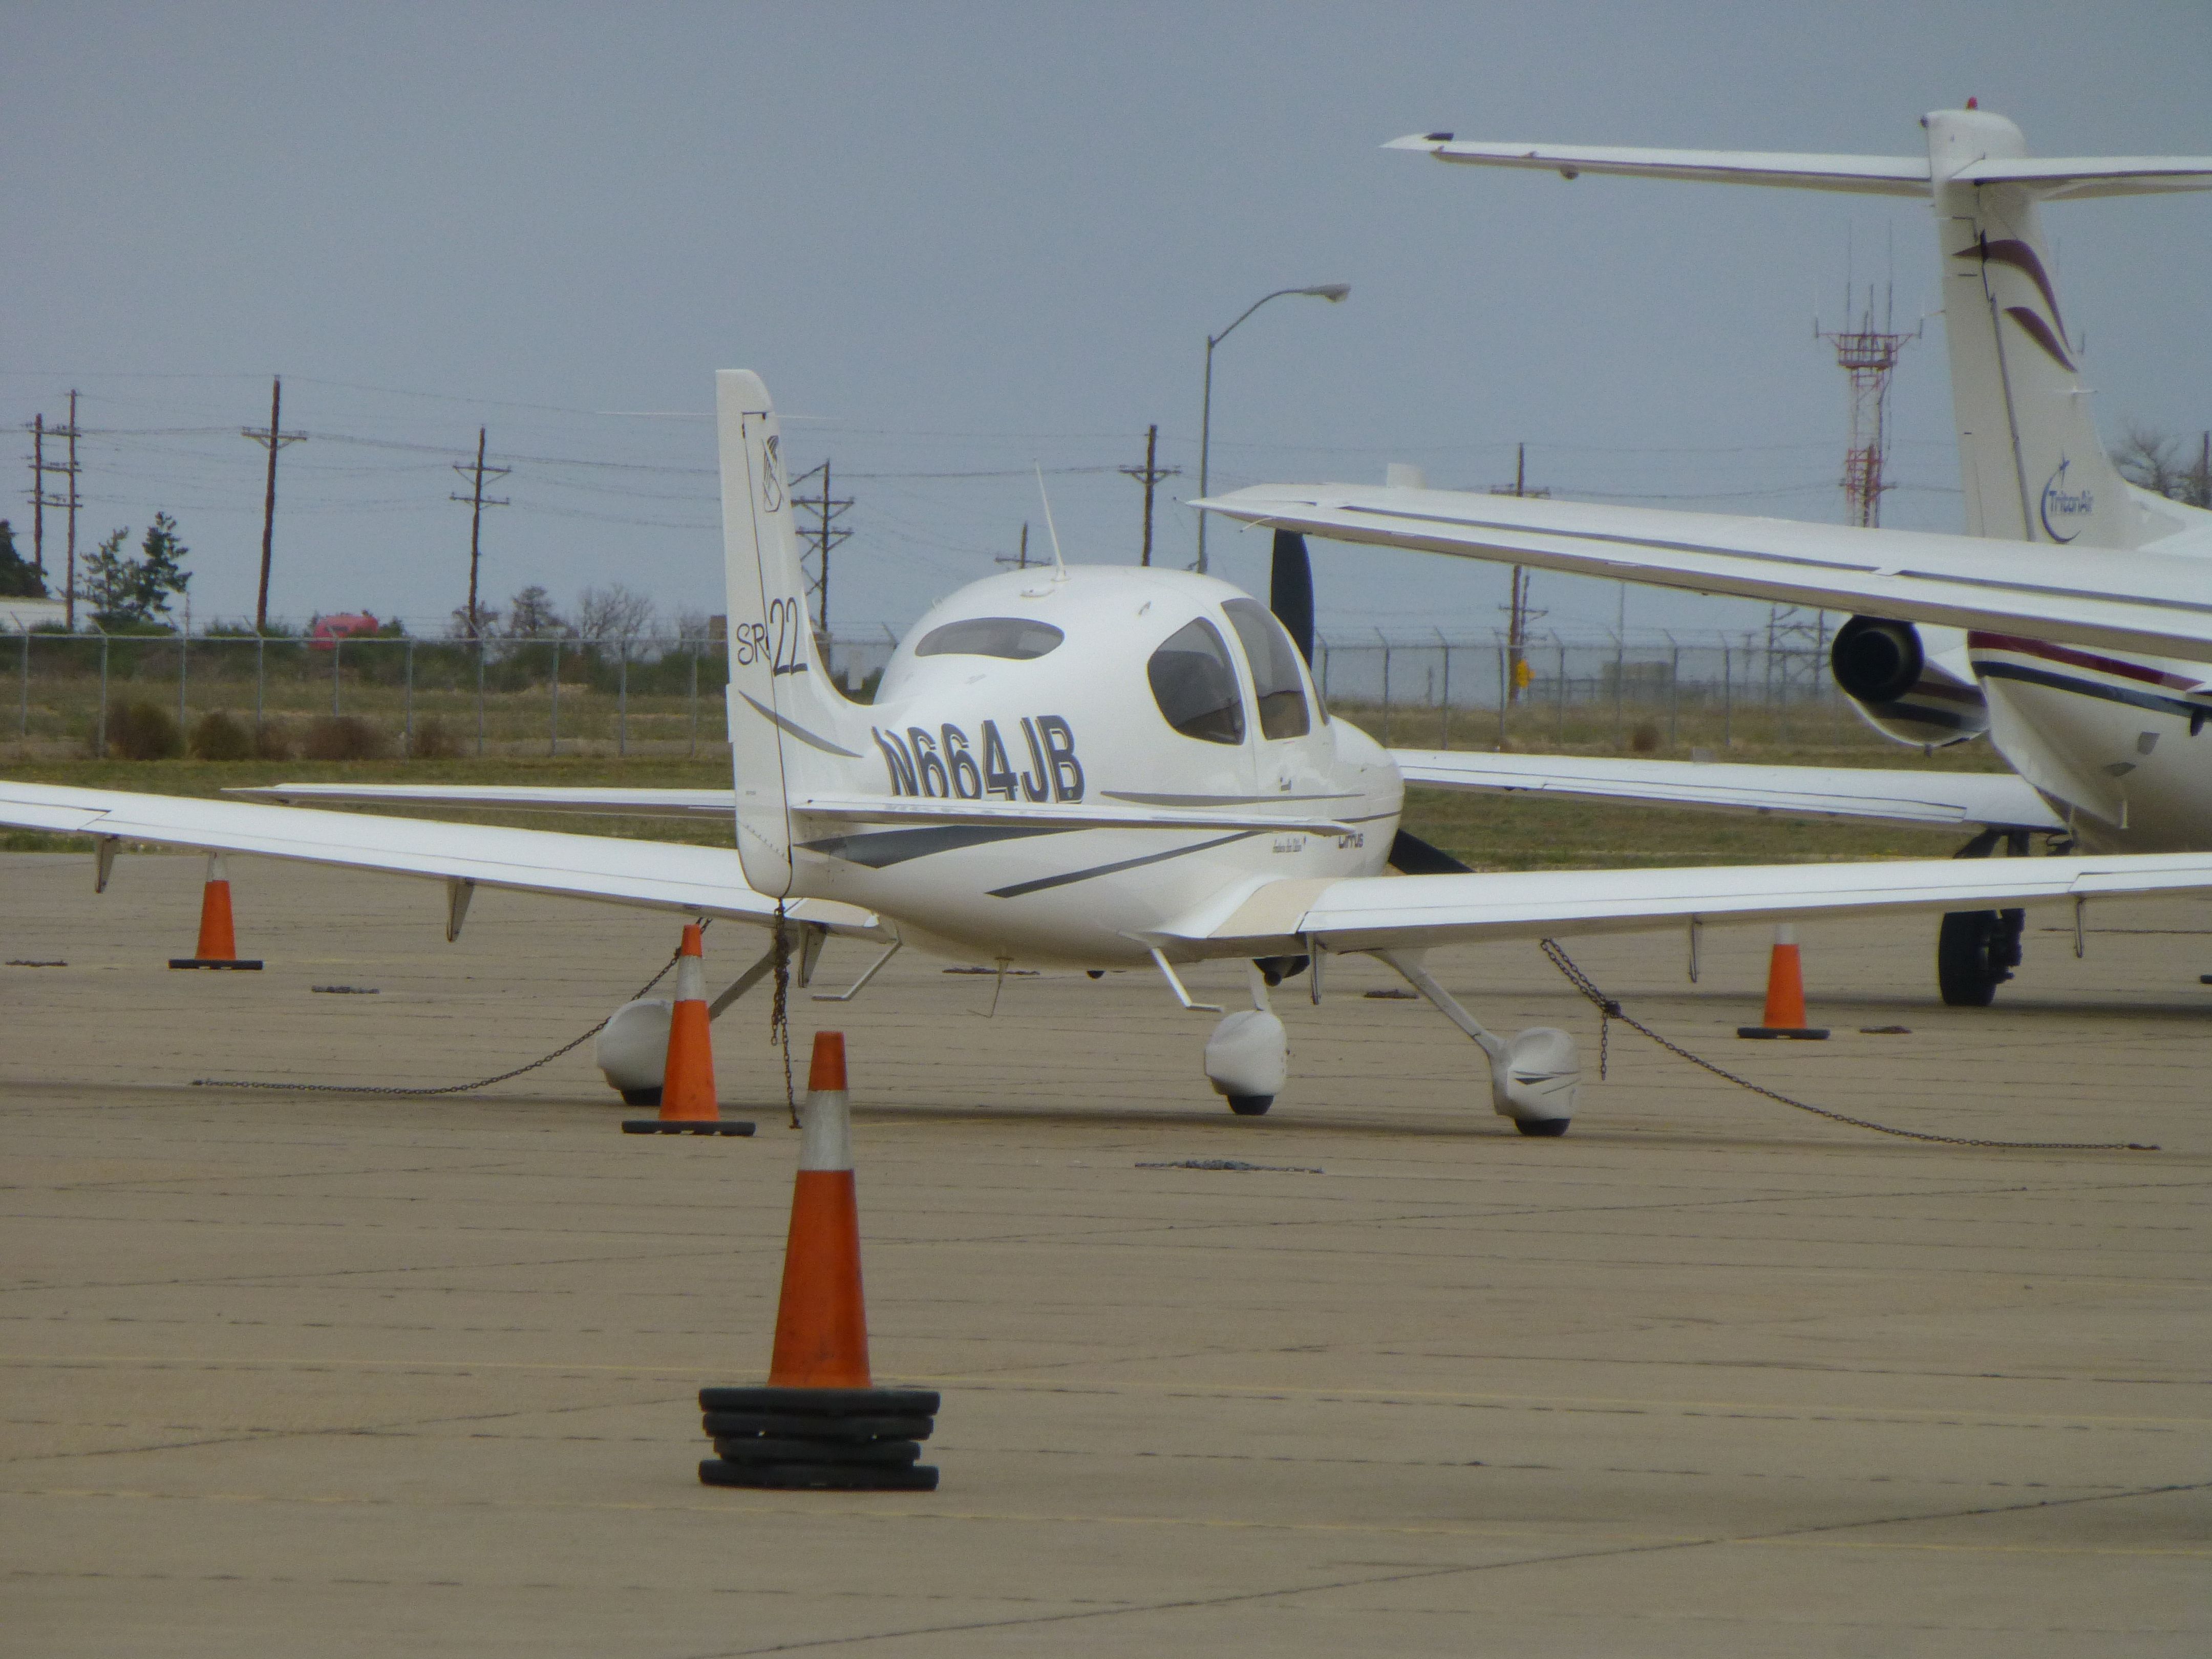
x=687 y=1079
x=218 y=942
x=1785 y=993
x=821 y=1320
x=821 y=1423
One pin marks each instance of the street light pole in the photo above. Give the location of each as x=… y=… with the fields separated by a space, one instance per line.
x=1332 y=292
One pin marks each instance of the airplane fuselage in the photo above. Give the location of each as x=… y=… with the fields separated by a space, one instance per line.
x=1055 y=688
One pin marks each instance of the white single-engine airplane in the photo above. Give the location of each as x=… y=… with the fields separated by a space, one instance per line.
x=1089 y=767
x=2089 y=624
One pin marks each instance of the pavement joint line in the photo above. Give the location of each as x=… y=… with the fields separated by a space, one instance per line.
x=1284 y=1592
x=1355 y=1394
x=1811 y=1537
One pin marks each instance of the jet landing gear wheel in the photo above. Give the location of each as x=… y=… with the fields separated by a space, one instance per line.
x=1976 y=953
x=1250 y=1105
x=1541 y=1125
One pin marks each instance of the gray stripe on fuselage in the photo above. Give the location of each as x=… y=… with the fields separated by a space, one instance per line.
x=878 y=847
x=795 y=729
x=1021 y=888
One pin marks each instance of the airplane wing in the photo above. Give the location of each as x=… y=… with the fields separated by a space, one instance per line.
x=2054 y=177
x=703 y=881
x=1397 y=913
x=1997 y=800
x=511 y=797
x=2159 y=604
x=722 y=804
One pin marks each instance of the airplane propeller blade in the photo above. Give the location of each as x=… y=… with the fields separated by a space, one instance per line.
x=1289 y=591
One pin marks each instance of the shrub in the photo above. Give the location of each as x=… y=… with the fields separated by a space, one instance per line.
x=219 y=736
x=343 y=737
x=273 y=741
x=1644 y=739
x=143 y=732
x=434 y=740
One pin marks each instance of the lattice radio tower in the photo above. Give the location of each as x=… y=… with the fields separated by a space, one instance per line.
x=1797 y=636
x=1867 y=354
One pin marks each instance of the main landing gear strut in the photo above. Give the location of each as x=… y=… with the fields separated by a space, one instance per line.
x=1977 y=951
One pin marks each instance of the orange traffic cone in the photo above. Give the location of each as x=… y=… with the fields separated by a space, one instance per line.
x=821 y=1323
x=687 y=1078
x=820 y=1422
x=218 y=942
x=1785 y=993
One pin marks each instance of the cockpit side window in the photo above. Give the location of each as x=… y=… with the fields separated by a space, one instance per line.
x=1015 y=638
x=1275 y=662
x=1196 y=685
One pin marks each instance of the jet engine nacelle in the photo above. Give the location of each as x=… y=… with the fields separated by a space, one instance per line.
x=1899 y=690
x=1536 y=1080
x=632 y=1052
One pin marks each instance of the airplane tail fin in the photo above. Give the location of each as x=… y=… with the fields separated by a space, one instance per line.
x=785 y=720
x=2033 y=467
x=2031 y=464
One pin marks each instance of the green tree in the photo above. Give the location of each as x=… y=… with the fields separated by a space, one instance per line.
x=19 y=580
x=129 y=593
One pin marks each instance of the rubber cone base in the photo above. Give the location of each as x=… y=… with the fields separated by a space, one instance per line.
x=660 y=1126
x=1793 y=1033
x=818 y=1477
x=210 y=961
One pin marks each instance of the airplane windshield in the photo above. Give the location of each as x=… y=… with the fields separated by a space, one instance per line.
x=1017 y=638
x=1195 y=686
x=1275 y=662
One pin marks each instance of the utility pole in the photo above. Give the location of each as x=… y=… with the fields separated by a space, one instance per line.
x=273 y=440
x=39 y=496
x=42 y=498
x=820 y=537
x=1518 y=614
x=1021 y=562
x=476 y=500
x=1148 y=475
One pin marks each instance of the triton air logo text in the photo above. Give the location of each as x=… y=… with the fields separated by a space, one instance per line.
x=2070 y=508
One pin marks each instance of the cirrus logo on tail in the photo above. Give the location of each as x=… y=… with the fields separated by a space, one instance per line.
x=2070 y=508
x=772 y=474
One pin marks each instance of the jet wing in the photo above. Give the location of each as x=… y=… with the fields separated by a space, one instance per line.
x=1389 y=913
x=510 y=796
x=2158 y=604
x=654 y=875
x=1997 y=800
x=2054 y=177
x=1878 y=175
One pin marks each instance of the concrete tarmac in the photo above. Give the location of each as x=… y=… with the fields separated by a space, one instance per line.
x=352 y=1373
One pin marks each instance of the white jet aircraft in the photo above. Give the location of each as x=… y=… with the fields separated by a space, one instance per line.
x=1093 y=767
x=2084 y=661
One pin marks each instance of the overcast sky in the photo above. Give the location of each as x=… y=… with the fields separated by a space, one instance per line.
x=959 y=239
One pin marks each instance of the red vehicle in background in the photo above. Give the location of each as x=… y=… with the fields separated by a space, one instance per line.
x=326 y=631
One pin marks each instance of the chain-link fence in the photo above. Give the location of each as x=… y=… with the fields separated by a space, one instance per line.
x=231 y=696
x=1650 y=693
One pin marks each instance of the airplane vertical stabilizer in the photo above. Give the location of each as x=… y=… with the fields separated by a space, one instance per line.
x=784 y=717
x=2030 y=461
